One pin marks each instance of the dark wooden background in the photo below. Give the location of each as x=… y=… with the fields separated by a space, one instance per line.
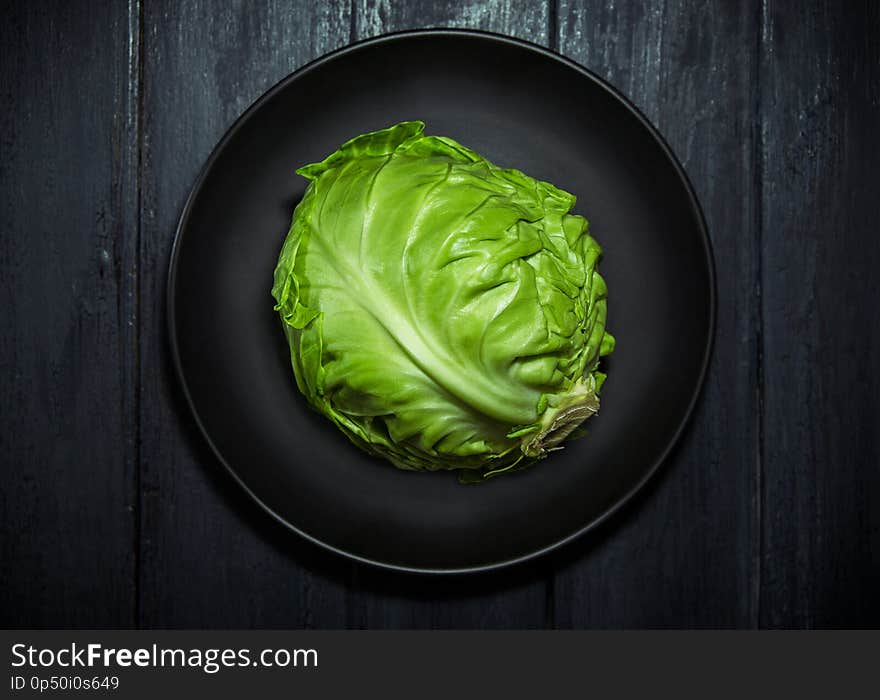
x=115 y=514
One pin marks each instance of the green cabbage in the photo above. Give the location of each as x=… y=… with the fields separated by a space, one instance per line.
x=443 y=312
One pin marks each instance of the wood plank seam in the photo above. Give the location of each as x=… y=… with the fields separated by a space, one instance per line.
x=758 y=316
x=136 y=57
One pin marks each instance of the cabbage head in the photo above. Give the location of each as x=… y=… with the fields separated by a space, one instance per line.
x=443 y=312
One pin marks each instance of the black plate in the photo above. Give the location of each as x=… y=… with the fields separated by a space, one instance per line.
x=521 y=106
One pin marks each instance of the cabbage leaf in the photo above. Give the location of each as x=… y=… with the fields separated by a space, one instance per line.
x=443 y=312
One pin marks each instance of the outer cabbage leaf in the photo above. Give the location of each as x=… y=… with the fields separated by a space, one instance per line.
x=445 y=313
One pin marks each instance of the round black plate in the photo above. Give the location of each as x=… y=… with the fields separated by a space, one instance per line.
x=521 y=106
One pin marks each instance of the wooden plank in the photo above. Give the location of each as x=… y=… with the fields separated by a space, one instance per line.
x=526 y=20
x=820 y=99
x=508 y=599
x=209 y=557
x=683 y=554
x=67 y=272
x=511 y=599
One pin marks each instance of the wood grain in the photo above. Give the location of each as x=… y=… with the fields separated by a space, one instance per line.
x=210 y=557
x=67 y=264
x=682 y=555
x=526 y=20
x=820 y=151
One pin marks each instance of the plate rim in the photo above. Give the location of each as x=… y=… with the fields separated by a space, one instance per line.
x=238 y=123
